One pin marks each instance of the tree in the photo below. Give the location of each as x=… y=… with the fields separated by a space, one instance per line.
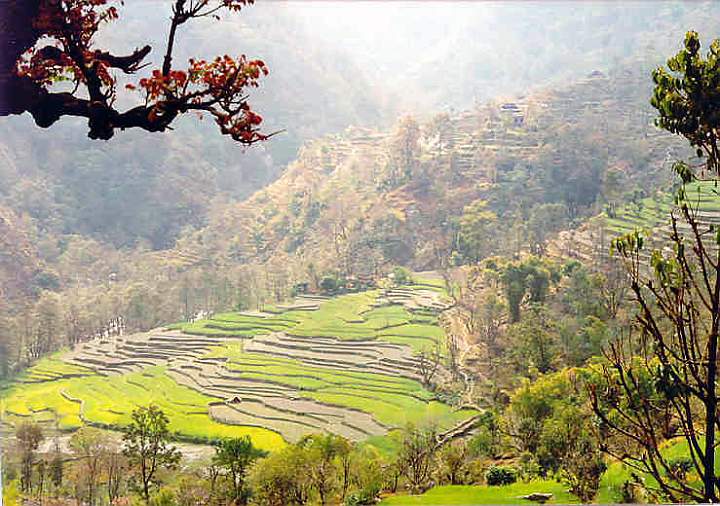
x=146 y=445
x=41 y=471
x=428 y=363
x=484 y=317
x=44 y=42
x=477 y=227
x=281 y=478
x=402 y=276
x=673 y=367
x=544 y=220
x=551 y=420
x=29 y=436
x=236 y=455
x=404 y=152
x=534 y=340
x=56 y=471
x=452 y=463
x=328 y=456
x=529 y=277
x=115 y=468
x=89 y=446
x=366 y=473
x=416 y=455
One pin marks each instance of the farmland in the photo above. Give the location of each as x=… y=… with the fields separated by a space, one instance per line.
x=346 y=365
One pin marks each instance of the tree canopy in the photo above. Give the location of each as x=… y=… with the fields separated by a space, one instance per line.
x=52 y=67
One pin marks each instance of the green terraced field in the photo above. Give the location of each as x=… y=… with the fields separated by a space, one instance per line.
x=654 y=212
x=349 y=317
x=53 y=368
x=314 y=361
x=108 y=401
x=394 y=401
x=237 y=325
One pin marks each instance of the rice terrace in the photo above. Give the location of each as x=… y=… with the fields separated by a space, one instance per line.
x=351 y=365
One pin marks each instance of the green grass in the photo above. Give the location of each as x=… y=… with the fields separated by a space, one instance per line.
x=352 y=317
x=425 y=283
x=483 y=494
x=617 y=473
x=340 y=317
x=109 y=401
x=11 y=493
x=53 y=368
x=611 y=483
x=393 y=401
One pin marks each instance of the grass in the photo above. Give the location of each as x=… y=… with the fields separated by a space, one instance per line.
x=11 y=493
x=352 y=317
x=340 y=317
x=236 y=325
x=617 y=473
x=393 y=401
x=425 y=283
x=484 y=494
x=108 y=401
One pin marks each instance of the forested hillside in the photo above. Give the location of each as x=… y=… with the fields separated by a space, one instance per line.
x=516 y=170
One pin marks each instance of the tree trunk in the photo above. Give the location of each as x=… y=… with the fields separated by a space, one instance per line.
x=711 y=404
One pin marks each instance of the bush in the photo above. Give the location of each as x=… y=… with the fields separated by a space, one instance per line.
x=680 y=466
x=401 y=276
x=328 y=284
x=529 y=467
x=163 y=497
x=487 y=439
x=362 y=497
x=500 y=475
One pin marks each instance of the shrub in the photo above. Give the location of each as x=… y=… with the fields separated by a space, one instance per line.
x=529 y=467
x=487 y=440
x=500 y=475
x=163 y=497
x=328 y=284
x=680 y=466
x=402 y=276
x=362 y=497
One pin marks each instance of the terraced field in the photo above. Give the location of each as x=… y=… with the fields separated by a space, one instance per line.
x=346 y=365
x=653 y=213
x=651 y=216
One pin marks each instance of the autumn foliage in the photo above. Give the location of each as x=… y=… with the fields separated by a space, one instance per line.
x=68 y=54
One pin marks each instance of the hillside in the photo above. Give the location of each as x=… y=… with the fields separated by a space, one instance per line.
x=137 y=210
x=348 y=365
x=403 y=296
x=353 y=204
x=649 y=215
x=343 y=205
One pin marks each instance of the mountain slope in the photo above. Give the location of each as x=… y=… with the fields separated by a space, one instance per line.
x=341 y=206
